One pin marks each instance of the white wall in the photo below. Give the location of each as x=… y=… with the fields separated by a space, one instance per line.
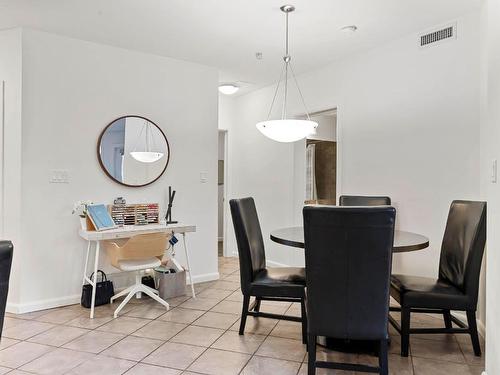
x=407 y=127
x=71 y=90
x=490 y=149
x=10 y=202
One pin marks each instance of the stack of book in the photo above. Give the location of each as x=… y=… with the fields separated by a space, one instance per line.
x=135 y=214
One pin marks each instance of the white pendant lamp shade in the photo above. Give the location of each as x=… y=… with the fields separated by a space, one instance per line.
x=287 y=130
x=146 y=156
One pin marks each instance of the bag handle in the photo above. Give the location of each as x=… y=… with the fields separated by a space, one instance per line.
x=103 y=275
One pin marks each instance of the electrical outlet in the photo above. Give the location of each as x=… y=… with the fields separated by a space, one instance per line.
x=203 y=177
x=59 y=176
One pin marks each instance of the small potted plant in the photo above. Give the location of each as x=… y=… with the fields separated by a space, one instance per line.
x=80 y=209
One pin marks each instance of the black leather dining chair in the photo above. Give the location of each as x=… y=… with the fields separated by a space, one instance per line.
x=285 y=284
x=348 y=253
x=364 y=200
x=457 y=285
x=6 y=250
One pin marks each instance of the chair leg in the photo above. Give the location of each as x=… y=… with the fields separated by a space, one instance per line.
x=447 y=319
x=471 y=320
x=151 y=293
x=304 y=320
x=383 y=359
x=257 y=304
x=244 y=312
x=125 y=301
x=405 y=331
x=311 y=353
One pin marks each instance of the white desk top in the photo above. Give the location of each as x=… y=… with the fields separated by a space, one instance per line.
x=133 y=230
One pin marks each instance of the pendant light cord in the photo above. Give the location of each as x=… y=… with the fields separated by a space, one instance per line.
x=286 y=58
x=300 y=92
x=288 y=64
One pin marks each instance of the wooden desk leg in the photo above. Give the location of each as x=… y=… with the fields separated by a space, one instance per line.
x=94 y=279
x=189 y=266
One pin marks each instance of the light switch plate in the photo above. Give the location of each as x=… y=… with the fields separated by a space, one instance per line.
x=203 y=177
x=59 y=176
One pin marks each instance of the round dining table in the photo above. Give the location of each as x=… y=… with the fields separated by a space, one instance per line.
x=403 y=241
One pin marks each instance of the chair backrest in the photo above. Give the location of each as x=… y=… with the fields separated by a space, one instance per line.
x=142 y=246
x=463 y=246
x=361 y=200
x=348 y=253
x=251 y=250
x=6 y=250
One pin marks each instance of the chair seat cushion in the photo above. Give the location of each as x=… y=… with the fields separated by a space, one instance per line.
x=138 y=264
x=423 y=292
x=280 y=282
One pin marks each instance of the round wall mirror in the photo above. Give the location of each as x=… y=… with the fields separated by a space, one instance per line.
x=133 y=151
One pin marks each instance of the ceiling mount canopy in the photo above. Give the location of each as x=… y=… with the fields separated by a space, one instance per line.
x=286 y=129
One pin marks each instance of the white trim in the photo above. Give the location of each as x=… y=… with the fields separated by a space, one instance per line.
x=275 y=264
x=205 y=277
x=481 y=328
x=16 y=308
x=225 y=204
x=21 y=308
x=220 y=239
x=338 y=140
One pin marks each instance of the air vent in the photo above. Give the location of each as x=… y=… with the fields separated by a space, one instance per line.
x=446 y=33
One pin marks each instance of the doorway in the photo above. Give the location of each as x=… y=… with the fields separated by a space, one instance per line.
x=317 y=164
x=221 y=192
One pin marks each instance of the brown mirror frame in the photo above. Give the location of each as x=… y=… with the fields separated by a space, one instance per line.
x=99 y=147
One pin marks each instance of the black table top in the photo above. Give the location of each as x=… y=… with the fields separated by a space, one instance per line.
x=403 y=241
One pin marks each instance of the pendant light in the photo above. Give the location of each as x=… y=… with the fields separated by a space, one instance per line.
x=286 y=129
x=146 y=156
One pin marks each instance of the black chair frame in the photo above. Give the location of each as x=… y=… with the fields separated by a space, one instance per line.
x=383 y=367
x=405 y=331
x=254 y=310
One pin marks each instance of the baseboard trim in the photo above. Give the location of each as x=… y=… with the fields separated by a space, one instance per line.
x=480 y=325
x=272 y=263
x=204 y=277
x=21 y=308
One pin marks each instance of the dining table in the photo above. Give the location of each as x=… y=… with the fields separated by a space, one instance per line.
x=403 y=242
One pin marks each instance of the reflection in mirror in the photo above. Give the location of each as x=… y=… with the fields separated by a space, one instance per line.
x=133 y=151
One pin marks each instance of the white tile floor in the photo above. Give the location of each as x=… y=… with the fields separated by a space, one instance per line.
x=199 y=337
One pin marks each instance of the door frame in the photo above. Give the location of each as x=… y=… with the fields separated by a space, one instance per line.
x=225 y=205
x=338 y=131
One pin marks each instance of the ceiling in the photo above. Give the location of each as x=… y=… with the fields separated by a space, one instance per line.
x=227 y=33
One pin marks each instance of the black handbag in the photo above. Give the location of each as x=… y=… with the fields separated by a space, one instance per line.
x=103 y=293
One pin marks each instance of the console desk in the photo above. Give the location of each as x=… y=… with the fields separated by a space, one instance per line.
x=94 y=239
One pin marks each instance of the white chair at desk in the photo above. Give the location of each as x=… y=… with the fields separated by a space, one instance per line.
x=139 y=253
